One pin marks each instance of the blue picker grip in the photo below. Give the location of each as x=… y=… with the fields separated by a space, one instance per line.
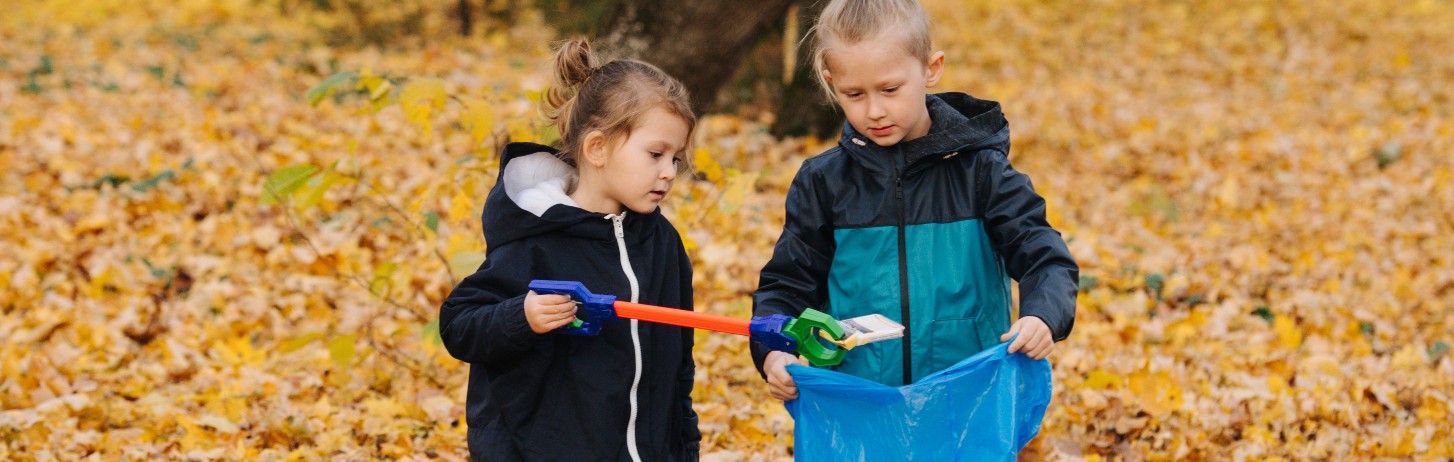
x=768 y=330
x=592 y=310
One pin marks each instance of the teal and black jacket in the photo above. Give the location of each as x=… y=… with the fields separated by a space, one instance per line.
x=927 y=232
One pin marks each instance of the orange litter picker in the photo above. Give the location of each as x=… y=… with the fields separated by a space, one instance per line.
x=798 y=335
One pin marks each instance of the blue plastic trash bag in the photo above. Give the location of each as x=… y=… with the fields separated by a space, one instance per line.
x=987 y=407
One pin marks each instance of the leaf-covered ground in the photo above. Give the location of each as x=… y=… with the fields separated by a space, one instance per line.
x=1260 y=194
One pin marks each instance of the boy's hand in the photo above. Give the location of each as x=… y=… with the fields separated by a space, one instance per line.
x=1035 y=339
x=545 y=313
x=779 y=383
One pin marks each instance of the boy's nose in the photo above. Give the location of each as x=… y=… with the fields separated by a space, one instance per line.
x=876 y=109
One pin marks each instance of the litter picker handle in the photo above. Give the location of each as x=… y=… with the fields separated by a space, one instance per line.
x=591 y=310
x=595 y=309
x=683 y=318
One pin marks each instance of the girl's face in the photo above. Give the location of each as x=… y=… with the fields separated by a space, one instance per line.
x=640 y=171
x=881 y=88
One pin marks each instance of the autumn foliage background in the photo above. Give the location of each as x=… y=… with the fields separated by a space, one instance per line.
x=1260 y=195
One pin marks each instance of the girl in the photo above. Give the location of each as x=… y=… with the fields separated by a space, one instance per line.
x=588 y=213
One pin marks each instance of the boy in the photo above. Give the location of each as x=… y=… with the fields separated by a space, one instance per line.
x=916 y=214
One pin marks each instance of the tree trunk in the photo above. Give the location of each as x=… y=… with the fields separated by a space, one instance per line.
x=700 y=42
x=803 y=108
x=466 y=17
x=709 y=44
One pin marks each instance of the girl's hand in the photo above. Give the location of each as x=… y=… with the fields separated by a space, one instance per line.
x=779 y=382
x=545 y=313
x=1035 y=339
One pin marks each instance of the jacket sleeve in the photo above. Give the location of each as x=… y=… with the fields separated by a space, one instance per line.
x=687 y=374
x=483 y=319
x=1034 y=253
x=796 y=276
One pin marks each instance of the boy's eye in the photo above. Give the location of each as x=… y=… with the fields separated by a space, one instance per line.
x=890 y=89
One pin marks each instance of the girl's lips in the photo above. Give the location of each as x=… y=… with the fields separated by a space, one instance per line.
x=882 y=131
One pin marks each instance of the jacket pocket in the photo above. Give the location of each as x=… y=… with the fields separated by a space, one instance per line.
x=950 y=341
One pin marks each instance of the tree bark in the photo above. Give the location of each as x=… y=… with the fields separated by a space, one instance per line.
x=700 y=42
x=466 y=18
x=802 y=108
x=709 y=44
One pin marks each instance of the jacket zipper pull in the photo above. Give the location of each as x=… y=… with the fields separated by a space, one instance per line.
x=616 y=223
x=898 y=187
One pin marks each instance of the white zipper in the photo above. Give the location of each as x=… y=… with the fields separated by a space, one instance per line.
x=616 y=221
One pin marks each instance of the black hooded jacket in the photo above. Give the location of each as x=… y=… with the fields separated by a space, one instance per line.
x=561 y=397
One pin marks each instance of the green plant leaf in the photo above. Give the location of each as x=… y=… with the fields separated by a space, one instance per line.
x=430 y=333
x=465 y=264
x=152 y=182
x=341 y=350
x=1264 y=313
x=1387 y=154
x=311 y=193
x=739 y=186
x=1437 y=350
x=329 y=85
x=298 y=342
x=1155 y=282
x=283 y=182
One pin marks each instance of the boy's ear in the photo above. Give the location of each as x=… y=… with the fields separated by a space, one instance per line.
x=828 y=79
x=935 y=69
x=593 y=149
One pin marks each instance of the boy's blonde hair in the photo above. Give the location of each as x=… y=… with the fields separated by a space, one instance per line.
x=609 y=98
x=850 y=22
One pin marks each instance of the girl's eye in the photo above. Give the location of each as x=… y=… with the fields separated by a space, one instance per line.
x=656 y=155
x=852 y=94
x=676 y=160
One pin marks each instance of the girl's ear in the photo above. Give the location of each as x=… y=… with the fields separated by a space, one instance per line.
x=593 y=149
x=935 y=69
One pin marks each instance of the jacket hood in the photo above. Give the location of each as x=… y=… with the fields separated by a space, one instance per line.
x=959 y=123
x=530 y=198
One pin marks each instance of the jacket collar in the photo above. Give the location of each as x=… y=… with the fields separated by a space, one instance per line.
x=959 y=123
x=528 y=199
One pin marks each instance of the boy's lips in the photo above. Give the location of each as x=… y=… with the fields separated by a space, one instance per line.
x=881 y=131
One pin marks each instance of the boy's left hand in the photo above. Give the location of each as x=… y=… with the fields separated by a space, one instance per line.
x=1034 y=340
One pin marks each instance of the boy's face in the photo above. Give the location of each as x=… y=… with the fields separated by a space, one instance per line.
x=881 y=88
